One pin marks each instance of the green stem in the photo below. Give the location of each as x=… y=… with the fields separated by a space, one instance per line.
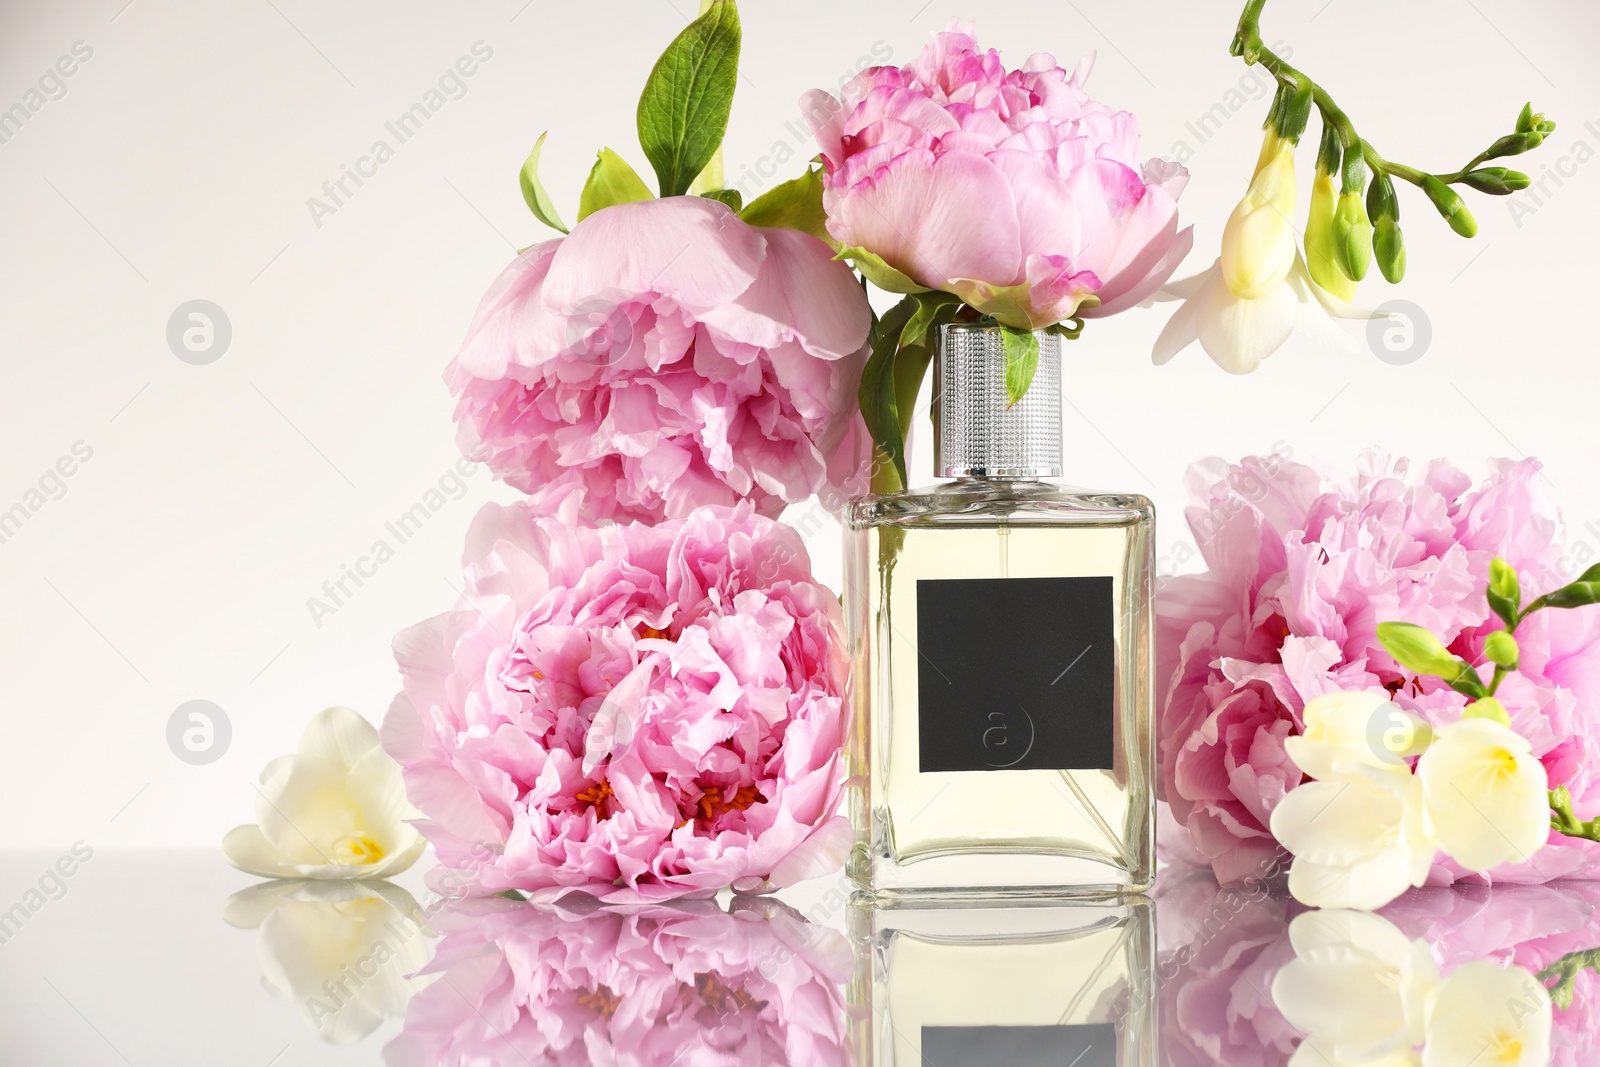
x=1565 y=971
x=1564 y=821
x=1248 y=45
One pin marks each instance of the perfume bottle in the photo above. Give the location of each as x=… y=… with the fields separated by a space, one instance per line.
x=1067 y=984
x=1000 y=638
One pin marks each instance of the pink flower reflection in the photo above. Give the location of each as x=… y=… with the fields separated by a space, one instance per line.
x=688 y=985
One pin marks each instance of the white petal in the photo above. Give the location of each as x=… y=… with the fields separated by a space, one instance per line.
x=1356 y=980
x=248 y=849
x=338 y=734
x=1238 y=334
x=1486 y=1014
x=248 y=908
x=356 y=939
x=1357 y=842
x=1186 y=288
x=1486 y=793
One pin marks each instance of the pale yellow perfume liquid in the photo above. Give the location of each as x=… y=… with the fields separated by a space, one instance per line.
x=994 y=831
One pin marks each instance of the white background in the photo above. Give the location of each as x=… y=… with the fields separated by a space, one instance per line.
x=178 y=563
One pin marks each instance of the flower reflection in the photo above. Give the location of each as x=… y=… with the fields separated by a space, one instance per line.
x=686 y=984
x=342 y=952
x=1496 y=977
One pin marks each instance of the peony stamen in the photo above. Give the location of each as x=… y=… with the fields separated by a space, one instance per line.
x=595 y=796
x=601 y=1001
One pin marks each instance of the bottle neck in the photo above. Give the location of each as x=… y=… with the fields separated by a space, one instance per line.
x=979 y=435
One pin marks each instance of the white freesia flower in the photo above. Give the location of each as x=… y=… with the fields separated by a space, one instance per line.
x=1359 y=839
x=1358 y=728
x=1259 y=291
x=341 y=952
x=336 y=809
x=1487 y=795
x=1489 y=1016
x=1357 y=986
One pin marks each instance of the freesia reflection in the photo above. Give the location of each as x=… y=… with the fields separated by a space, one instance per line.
x=343 y=953
x=687 y=984
x=1441 y=978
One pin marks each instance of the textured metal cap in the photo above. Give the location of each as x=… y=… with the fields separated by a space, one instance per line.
x=978 y=435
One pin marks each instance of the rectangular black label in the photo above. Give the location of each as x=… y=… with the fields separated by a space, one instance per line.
x=1015 y=674
x=1091 y=1045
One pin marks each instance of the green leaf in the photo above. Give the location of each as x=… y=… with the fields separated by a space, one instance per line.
x=794 y=205
x=1022 y=360
x=934 y=309
x=919 y=343
x=533 y=192
x=879 y=273
x=683 y=112
x=879 y=405
x=732 y=197
x=904 y=342
x=611 y=182
x=1590 y=575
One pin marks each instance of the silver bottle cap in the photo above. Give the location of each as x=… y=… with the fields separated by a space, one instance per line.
x=977 y=435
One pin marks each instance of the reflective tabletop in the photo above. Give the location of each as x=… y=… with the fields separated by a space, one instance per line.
x=173 y=958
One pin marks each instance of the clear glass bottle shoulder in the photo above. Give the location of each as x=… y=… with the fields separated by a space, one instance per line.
x=982 y=502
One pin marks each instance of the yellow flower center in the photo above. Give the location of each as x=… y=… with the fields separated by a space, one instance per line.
x=1502 y=763
x=358 y=850
x=1505 y=1048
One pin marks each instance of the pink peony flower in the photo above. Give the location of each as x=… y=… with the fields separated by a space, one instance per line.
x=663 y=356
x=1011 y=189
x=641 y=712
x=1220 y=949
x=654 y=986
x=1300 y=573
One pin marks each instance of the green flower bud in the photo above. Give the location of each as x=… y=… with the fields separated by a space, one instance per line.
x=1501 y=648
x=1417 y=650
x=1532 y=122
x=1496 y=181
x=1450 y=205
x=1389 y=245
x=1504 y=584
x=1352 y=236
x=1514 y=144
x=1487 y=708
x=1322 y=258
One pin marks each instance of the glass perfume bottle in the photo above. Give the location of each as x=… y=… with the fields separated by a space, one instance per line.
x=1068 y=984
x=1000 y=634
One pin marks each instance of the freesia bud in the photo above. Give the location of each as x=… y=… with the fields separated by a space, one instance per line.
x=1514 y=144
x=1450 y=205
x=1501 y=648
x=1496 y=181
x=1258 y=243
x=1352 y=236
x=1321 y=257
x=1389 y=245
x=1505 y=591
x=1417 y=650
x=1487 y=708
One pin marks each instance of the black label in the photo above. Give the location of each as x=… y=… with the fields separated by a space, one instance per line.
x=1015 y=674
x=1092 y=1045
